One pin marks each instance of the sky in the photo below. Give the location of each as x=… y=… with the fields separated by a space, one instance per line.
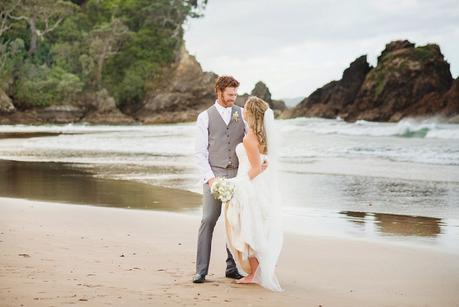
x=298 y=46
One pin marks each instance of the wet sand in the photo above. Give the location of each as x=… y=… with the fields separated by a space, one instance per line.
x=55 y=254
x=63 y=182
x=25 y=135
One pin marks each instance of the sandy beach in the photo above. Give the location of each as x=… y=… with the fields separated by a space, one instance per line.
x=55 y=254
x=115 y=116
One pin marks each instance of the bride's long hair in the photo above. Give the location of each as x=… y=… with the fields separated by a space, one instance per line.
x=255 y=109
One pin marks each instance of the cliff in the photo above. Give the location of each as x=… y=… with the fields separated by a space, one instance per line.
x=407 y=81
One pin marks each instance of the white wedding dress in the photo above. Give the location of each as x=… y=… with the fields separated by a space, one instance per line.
x=253 y=221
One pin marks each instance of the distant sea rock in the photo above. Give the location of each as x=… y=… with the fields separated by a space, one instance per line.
x=261 y=90
x=407 y=81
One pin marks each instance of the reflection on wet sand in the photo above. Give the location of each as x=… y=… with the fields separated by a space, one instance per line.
x=397 y=193
x=395 y=224
x=25 y=135
x=60 y=182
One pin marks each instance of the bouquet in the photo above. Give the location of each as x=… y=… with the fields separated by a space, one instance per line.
x=222 y=189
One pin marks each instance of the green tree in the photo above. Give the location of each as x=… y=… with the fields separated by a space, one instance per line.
x=42 y=17
x=157 y=34
x=52 y=49
x=104 y=42
x=11 y=58
x=6 y=9
x=41 y=86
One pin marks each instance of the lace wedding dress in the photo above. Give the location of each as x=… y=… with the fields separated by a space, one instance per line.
x=253 y=221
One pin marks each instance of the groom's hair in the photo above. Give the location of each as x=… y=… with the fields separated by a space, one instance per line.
x=224 y=82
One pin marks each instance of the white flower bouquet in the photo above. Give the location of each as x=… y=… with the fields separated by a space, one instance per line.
x=222 y=189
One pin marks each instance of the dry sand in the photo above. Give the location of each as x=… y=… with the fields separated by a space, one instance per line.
x=61 y=254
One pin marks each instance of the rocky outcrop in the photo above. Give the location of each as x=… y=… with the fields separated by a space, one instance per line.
x=407 y=81
x=262 y=91
x=6 y=106
x=103 y=110
x=329 y=100
x=451 y=101
x=183 y=92
x=60 y=114
x=94 y=108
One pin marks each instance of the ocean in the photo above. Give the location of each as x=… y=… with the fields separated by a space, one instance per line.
x=396 y=182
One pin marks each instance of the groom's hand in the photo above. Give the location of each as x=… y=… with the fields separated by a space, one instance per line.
x=264 y=166
x=210 y=182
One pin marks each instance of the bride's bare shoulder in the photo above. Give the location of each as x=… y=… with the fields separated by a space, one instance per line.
x=250 y=141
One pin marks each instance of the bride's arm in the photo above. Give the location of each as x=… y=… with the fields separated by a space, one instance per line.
x=253 y=154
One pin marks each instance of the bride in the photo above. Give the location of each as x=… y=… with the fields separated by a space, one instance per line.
x=252 y=216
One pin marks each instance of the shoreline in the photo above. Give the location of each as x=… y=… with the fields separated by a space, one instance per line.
x=56 y=254
x=60 y=182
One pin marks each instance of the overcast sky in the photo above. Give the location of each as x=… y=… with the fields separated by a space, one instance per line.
x=296 y=46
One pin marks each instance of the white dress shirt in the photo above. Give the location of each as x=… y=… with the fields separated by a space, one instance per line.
x=202 y=141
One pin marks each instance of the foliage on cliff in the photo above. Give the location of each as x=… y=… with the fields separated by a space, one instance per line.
x=51 y=51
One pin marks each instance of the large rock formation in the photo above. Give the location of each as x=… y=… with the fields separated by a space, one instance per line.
x=183 y=92
x=407 y=81
x=329 y=100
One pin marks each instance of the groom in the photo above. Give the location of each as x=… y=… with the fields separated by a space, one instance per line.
x=220 y=128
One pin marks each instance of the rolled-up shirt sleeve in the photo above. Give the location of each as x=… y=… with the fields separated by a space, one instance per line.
x=201 y=147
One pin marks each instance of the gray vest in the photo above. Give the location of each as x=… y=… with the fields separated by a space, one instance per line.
x=223 y=139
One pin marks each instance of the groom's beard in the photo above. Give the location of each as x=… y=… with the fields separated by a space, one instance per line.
x=227 y=103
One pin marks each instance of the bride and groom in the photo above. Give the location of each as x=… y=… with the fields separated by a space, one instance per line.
x=240 y=144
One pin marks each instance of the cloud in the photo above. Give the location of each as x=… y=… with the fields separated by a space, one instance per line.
x=297 y=46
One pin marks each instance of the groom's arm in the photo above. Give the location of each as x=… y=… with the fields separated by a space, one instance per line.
x=201 y=150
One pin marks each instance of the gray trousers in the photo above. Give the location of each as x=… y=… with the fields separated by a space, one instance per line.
x=211 y=211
